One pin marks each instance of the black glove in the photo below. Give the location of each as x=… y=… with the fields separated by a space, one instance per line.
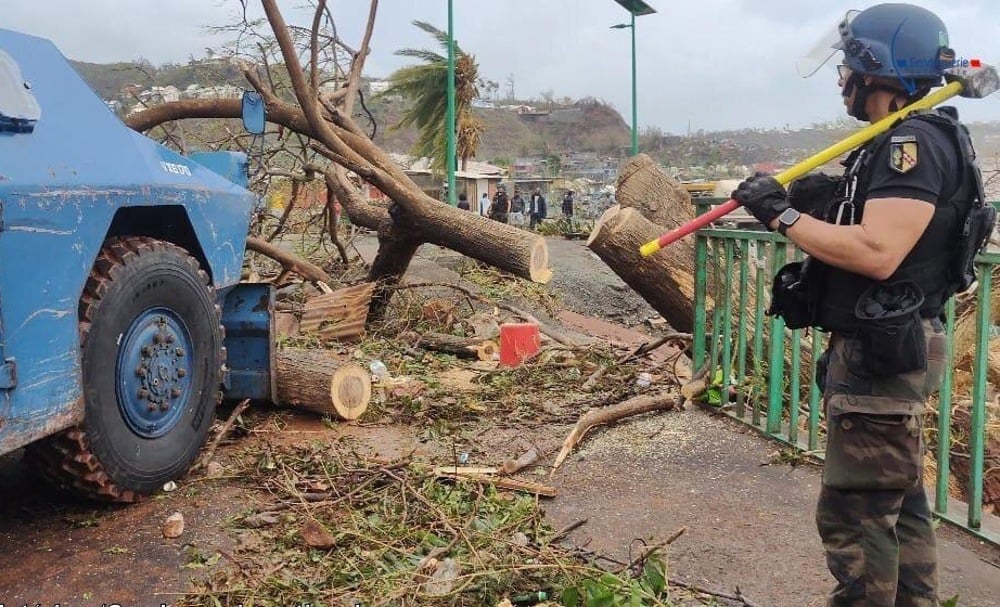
x=812 y=194
x=763 y=197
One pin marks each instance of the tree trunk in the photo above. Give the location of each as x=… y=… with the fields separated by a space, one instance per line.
x=665 y=280
x=655 y=194
x=315 y=381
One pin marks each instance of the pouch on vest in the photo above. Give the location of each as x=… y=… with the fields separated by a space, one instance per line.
x=789 y=297
x=975 y=232
x=890 y=329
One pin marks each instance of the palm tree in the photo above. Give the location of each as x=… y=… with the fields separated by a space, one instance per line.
x=424 y=85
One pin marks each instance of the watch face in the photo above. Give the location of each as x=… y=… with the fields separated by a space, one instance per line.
x=788 y=216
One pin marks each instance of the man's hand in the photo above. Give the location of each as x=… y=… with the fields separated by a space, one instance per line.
x=763 y=197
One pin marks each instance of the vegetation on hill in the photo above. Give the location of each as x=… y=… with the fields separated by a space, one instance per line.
x=587 y=125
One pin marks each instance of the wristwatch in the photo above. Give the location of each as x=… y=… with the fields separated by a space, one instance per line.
x=787 y=219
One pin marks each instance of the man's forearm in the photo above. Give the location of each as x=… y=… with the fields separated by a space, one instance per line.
x=850 y=248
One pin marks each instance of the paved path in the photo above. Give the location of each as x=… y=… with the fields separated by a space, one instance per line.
x=749 y=524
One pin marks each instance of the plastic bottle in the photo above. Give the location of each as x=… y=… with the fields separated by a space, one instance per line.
x=379 y=371
x=643 y=380
x=532 y=598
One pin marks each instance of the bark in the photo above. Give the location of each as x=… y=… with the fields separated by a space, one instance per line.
x=289 y=261
x=396 y=248
x=655 y=194
x=665 y=280
x=338 y=315
x=315 y=381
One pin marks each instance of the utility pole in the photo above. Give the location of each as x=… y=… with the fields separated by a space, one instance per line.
x=450 y=161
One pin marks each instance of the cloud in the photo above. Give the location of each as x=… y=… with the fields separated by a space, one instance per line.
x=712 y=63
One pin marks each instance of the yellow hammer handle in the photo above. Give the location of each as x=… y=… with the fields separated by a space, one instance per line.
x=816 y=160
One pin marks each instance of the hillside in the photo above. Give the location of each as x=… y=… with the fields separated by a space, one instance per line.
x=587 y=125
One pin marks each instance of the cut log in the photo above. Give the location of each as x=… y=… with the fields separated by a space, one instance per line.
x=657 y=196
x=664 y=401
x=517 y=251
x=316 y=381
x=665 y=281
x=340 y=314
x=462 y=347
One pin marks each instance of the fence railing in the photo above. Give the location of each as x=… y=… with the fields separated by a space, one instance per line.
x=769 y=383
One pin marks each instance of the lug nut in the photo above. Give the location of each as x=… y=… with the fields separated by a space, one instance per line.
x=175 y=392
x=143 y=393
x=181 y=372
x=179 y=351
x=164 y=406
x=142 y=371
x=170 y=338
x=157 y=337
x=151 y=406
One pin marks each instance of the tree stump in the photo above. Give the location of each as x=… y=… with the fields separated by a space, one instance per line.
x=315 y=381
x=665 y=280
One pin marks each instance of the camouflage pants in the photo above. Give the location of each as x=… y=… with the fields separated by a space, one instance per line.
x=873 y=515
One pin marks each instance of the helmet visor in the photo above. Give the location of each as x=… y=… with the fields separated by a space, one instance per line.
x=824 y=49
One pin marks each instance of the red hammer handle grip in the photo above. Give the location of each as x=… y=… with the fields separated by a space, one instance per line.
x=698 y=223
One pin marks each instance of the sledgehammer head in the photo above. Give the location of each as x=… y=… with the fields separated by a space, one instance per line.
x=977 y=82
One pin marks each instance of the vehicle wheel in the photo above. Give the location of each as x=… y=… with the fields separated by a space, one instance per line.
x=152 y=357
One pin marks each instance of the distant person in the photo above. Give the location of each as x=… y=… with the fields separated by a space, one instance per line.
x=463 y=201
x=484 y=205
x=567 y=204
x=536 y=208
x=517 y=209
x=501 y=205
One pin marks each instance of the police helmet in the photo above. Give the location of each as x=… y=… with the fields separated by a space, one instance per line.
x=896 y=41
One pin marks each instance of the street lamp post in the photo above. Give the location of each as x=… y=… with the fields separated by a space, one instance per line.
x=636 y=8
x=450 y=160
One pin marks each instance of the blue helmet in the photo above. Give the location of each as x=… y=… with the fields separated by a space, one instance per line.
x=897 y=41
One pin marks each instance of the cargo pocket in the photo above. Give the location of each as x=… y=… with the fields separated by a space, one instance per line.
x=869 y=452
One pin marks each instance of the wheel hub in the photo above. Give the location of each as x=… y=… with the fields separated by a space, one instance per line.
x=152 y=372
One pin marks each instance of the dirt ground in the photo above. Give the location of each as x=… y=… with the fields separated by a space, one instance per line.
x=749 y=522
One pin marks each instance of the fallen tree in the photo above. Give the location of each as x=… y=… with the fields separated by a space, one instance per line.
x=413 y=217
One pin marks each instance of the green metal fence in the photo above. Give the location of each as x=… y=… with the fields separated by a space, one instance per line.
x=768 y=383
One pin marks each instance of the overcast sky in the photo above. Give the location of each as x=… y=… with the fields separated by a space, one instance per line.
x=713 y=64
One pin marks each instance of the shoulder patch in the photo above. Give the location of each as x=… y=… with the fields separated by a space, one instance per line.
x=902 y=154
x=902 y=138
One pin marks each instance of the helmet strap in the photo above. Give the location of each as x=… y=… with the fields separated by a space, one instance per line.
x=856 y=84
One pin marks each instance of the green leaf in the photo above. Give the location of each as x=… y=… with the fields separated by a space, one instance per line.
x=952 y=602
x=570 y=597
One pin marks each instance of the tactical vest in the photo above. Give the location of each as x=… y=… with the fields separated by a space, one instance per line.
x=933 y=264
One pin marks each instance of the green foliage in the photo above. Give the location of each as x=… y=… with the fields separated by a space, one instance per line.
x=424 y=86
x=648 y=589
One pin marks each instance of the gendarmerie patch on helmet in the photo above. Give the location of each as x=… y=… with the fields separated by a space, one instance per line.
x=902 y=153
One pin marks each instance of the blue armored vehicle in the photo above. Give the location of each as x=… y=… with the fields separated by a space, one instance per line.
x=119 y=269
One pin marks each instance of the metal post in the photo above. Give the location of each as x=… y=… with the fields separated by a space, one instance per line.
x=450 y=127
x=635 y=113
